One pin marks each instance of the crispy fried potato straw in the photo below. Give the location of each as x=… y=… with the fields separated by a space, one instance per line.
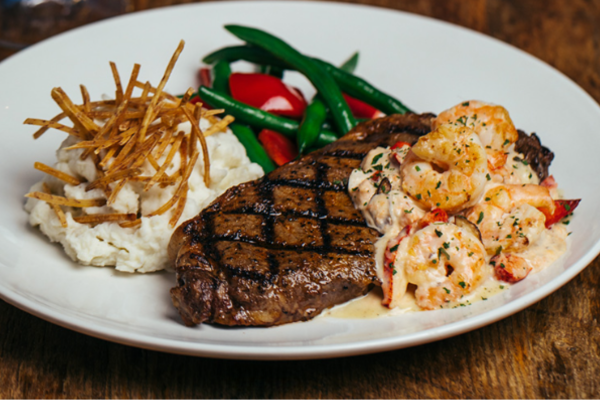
x=100 y=218
x=219 y=126
x=117 y=176
x=52 y=124
x=131 y=224
x=198 y=133
x=165 y=207
x=57 y=174
x=180 y=206
x=210 y=113
x=85 y=96
x=57 y=210
x=117 y=78
x=63 y=201
x=174 y=149
x=159 y=89
x=44 y=128
x=115 y=192
x=81 y=121
x=121 y=135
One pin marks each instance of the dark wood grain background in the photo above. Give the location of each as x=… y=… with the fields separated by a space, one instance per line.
x=550 y=350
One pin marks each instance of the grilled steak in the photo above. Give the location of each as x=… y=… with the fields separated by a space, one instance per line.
x=537 y=155
x=289 y=245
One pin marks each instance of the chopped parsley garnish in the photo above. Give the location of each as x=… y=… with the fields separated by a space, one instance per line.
x=462 y=284
x=447 y=290
x=488 y=177
x=438 y=233
x=394 y=248
x=444 y=252
x=480 y=218
x=376 y=158
x=418 y=196
x=378 y=168
x=417 y=168
x=438 y=185
x=409 y=211
x=506 y=142
x=465 y=104
x=446 y=245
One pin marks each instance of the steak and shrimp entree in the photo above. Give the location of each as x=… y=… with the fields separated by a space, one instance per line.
x=300 y=205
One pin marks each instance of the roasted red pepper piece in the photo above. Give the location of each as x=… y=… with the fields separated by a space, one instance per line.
x=267 y=93
x=279 y=148
x=435 y=215
x=360 y=109
x=562 y=209
x=204 y=77
x=398 y=145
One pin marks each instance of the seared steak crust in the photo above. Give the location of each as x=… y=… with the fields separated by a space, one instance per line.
x=537 y=155
x=289 y=245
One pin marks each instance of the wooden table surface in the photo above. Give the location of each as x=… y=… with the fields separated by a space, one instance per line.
x=550 y=350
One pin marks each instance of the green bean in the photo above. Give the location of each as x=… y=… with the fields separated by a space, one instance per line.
x=256 y=153
x=251 y=54
x=311 y=124
x=248 y=114
x=325 y=137
x=363 y=90
x=221 y=72
x=351 y=84
x=350 y=64
x=317 y=75
x=272 y=70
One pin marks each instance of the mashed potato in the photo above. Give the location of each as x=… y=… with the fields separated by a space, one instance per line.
x=143 y=248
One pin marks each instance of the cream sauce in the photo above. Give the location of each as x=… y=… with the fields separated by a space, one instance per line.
x=393 y=210
x=369 y=305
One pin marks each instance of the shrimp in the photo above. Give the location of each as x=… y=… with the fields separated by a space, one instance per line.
x=444 y=261
x=510 y=267
x=458 y=153
x=491 y=122
x=511 y=217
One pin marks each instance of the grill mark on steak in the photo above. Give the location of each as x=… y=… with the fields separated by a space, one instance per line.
x=299 y=247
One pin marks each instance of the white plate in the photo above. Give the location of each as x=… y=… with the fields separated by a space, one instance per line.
x=430 y=65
